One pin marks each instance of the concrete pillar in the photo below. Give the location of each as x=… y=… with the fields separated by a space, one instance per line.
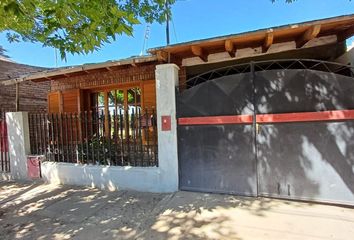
x=19 y=143
x=166 y=82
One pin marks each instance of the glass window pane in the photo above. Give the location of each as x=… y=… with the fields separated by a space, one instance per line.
x=120 y=97
x=100 y=99
x=134 y=96
x=111 y=98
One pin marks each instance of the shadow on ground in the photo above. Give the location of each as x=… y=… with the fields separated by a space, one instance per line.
x=40 y=211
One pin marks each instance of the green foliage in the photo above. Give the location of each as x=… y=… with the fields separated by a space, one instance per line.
x=76 y=26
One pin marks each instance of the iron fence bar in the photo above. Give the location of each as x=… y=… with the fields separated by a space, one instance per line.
x=104 y=137
x=71 y=138
x=109 y=138
x=66 y=138
x=62 y=148
x=147 y=137
x=140 y=139
x=133 y=137
x=121 y=136
x=45 y=126
x=51 y=141
x=154 y=125
x=127 y=135
x=92 y=137
x=77 y=134
x=116 y=134
x=86 y=136
x=41 y=141
x=98 y=135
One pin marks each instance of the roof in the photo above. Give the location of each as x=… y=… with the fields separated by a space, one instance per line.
x=301 y=33
x=11 y=70
x=85 y=68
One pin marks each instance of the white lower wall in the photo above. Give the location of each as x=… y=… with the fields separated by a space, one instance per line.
x=5 y=176
x=146 y=179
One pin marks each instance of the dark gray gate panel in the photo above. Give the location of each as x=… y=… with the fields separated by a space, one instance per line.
x=229 y=95
x=291 y=91
x=309 y=161
x=217 y=159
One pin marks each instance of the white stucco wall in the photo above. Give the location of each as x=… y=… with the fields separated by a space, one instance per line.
x=146 y=179
x=19 y=143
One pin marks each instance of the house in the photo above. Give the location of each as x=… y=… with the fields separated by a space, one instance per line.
x=261 y=113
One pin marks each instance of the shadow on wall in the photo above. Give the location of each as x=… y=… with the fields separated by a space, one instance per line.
x=313 y=160
x=297 y=160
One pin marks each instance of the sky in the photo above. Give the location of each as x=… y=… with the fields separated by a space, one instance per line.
x=192 y=20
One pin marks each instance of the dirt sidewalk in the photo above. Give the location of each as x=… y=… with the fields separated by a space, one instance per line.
x=40 y=211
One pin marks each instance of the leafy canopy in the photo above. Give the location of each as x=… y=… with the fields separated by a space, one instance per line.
x=76 y=26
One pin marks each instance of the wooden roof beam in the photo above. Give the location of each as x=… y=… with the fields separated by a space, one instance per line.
x=230 y=48
x=162 y=56
x=268 y=41
x=310 y=34
x=345 y=34
x=134 y=63
x=200 y=52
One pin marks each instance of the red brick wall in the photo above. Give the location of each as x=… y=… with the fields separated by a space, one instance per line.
x=33 y=96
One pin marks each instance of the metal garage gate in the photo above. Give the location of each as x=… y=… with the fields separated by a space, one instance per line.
x=298 y=143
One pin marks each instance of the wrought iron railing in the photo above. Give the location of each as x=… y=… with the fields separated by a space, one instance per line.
x=119 y=138
x=279 y=64
x=4 y=147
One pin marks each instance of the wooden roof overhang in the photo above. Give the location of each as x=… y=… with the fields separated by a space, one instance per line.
x=260 y=42
x=84 y=69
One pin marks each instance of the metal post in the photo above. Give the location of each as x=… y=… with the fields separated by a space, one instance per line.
x=17 y=97
x=255 y=127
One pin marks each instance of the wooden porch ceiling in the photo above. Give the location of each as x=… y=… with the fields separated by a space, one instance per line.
x=302 y=35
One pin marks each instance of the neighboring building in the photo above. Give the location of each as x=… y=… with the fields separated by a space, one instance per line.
x=262 y=113
x=32 y=96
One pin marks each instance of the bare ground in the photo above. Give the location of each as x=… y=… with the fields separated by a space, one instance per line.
x=41 y=211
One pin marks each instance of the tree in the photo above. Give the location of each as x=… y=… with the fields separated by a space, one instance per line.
x=76 y=26
x=3 y=52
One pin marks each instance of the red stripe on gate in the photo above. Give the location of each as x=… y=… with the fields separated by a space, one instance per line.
x=216 y=120
x=306 y=116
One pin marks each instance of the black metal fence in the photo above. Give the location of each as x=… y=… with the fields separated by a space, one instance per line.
x=4 y=147
x=118 y=138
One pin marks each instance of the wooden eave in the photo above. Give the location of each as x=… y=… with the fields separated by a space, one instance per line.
x=81 y=70
x=342 y=27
